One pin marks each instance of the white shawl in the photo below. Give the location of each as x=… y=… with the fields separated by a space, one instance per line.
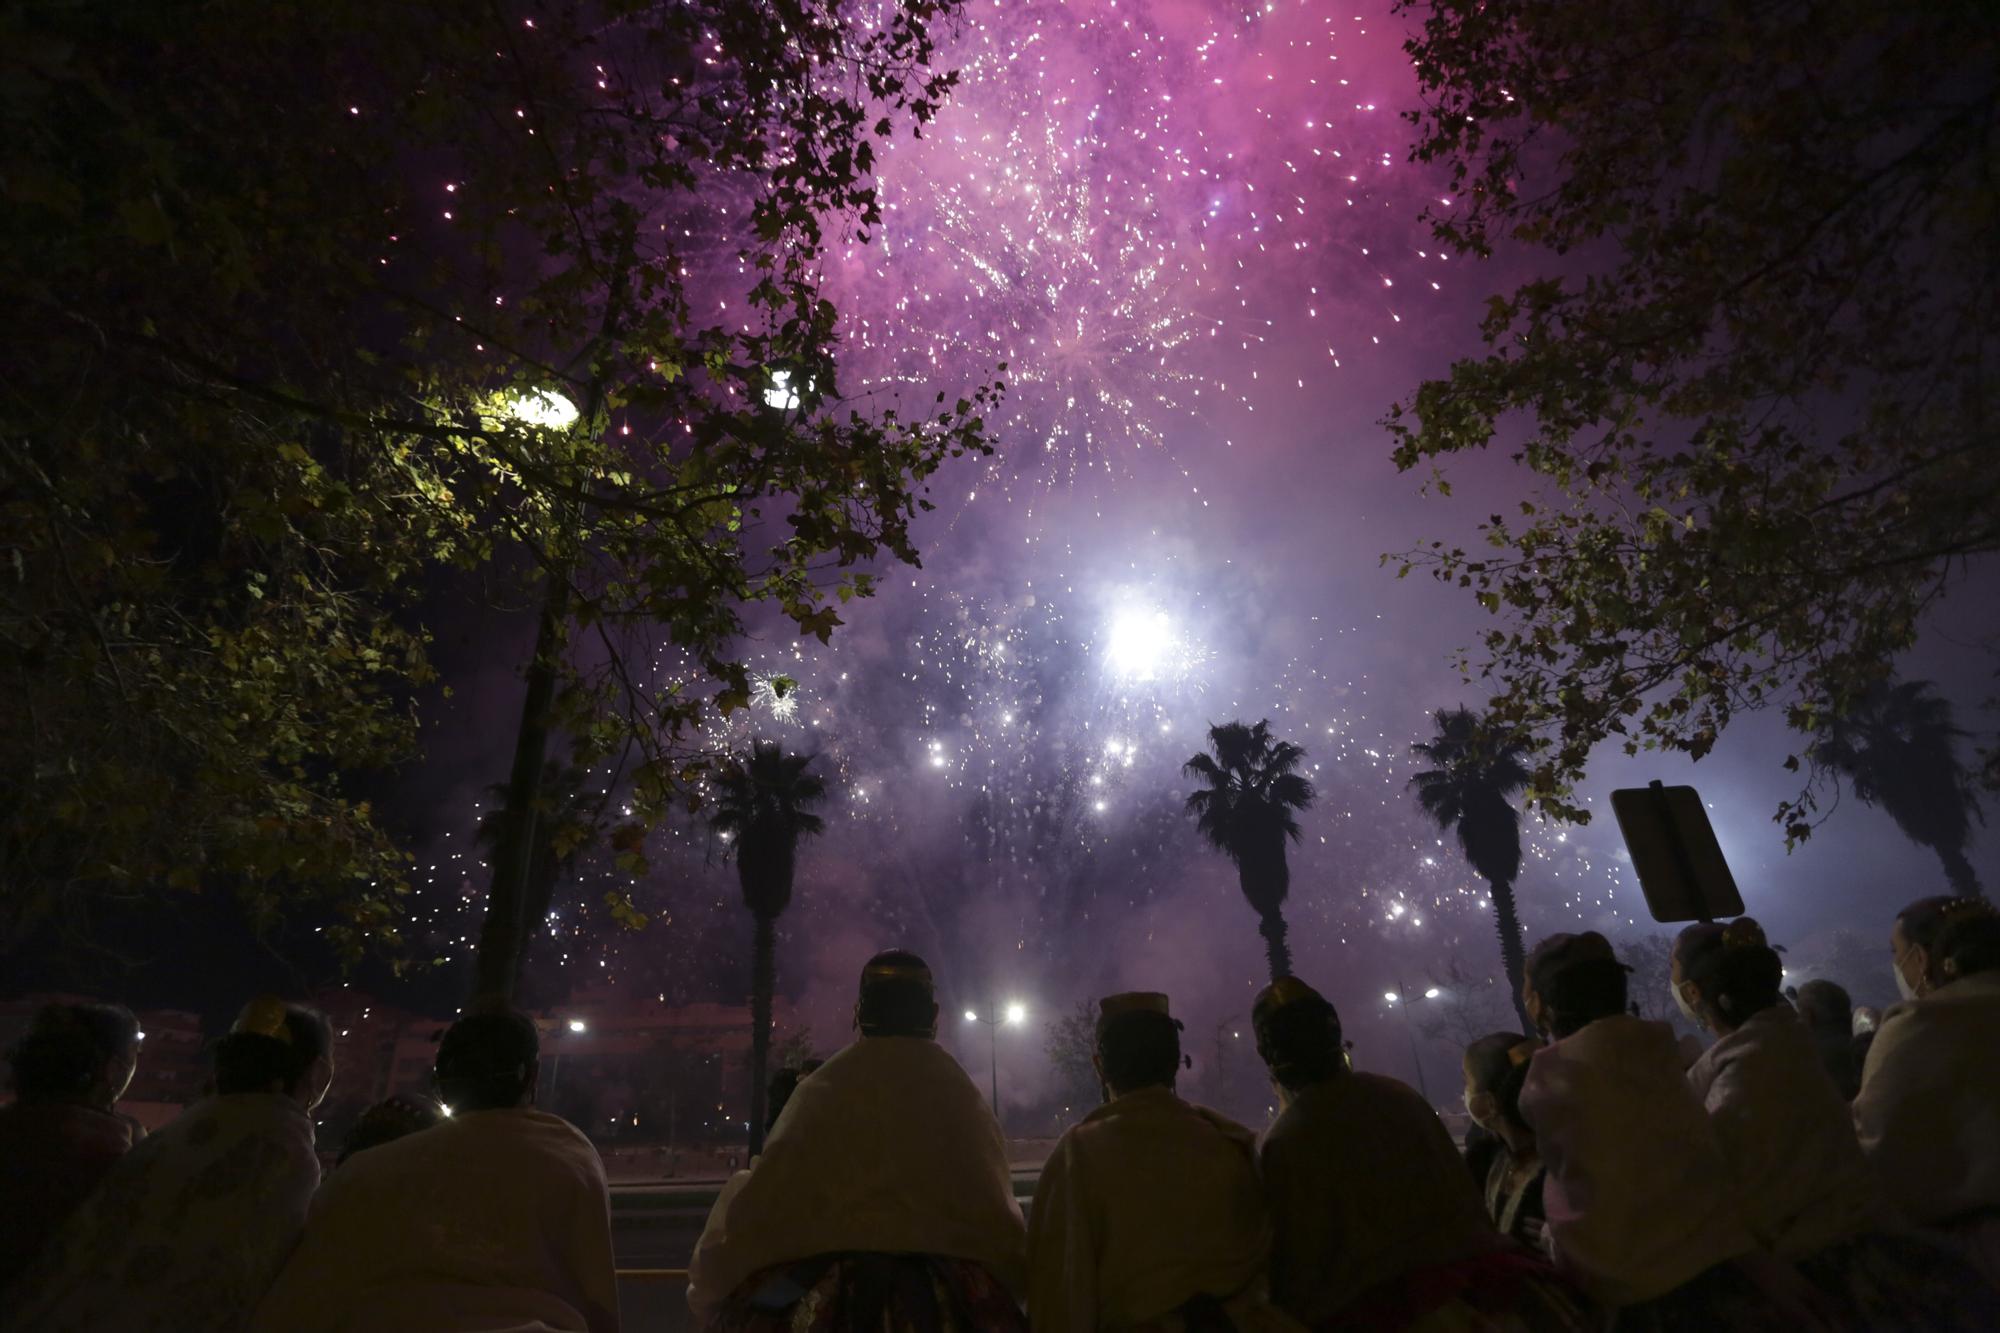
x=491 y=1220
x=1638 y=1198
x=187 y=1231
x=1787 y=1136
x=888 y=1148
x=1929 y=1108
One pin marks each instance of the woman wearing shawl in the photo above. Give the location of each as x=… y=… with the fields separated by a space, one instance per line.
x=61 y=1134
x=1929 y=1108
x=193 y=1224
x=1805 y=1190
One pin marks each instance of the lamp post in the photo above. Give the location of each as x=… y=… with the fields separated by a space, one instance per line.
x=577 y=1026
x=1402 y=997
x=1013 y=1015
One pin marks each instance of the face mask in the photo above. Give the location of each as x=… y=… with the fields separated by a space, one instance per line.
x=1681 y=1000
x=1903 y=986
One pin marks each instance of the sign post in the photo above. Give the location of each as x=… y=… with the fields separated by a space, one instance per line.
x=1679 y=862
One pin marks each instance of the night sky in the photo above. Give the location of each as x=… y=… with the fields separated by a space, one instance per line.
x=1191 y=232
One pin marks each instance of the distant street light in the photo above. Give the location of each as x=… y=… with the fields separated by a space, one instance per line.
x=1395 y=997
x=543 y=407
x=576 y=1027
x=1013 y=1015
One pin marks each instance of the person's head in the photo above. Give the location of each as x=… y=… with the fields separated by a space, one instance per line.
x=1937 y=941
x=80 y=1053
x=1298 y=1034
x=1496 y=1068
x=389 y=1120
x=1722 y=974
x=1826 y=1007
x=1572 y=980
x=1138 y=1042
x=489 y=1061
x=783 y=1084
x=277 y=1047
x=898 y=998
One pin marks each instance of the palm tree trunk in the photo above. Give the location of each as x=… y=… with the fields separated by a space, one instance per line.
x=1958 y=870
x=763 y=979
x=1513 y=957
x=1276 y=950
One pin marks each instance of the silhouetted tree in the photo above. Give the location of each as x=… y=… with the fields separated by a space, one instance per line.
x=1740 y=501
x=1070 y=1040
x=564 y=813
x=1246 y=811
x=1469 y=792
x=1898 y=748
x=763 y=806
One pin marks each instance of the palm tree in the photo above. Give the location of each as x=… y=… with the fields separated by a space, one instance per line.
x=1898 y=747
x=763 y=806
x=1468 y=789
x=1247 y=812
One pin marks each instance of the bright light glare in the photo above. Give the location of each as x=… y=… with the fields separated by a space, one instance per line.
x=543 y=407
x=1389 y=995
x=1138 y=644
x=576 y=1025
x=971 y=1016
x=1432 y=993
x=1017 y=1013
x=780 y=394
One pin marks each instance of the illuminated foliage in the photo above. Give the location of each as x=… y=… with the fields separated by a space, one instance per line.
x=297 y=295
x=1755 y=390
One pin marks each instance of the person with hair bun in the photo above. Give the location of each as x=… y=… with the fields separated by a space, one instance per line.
x=496 y=1217
x=61 y=1134
x=190 y=1227
x=1148 y=1213
x=1805 y=1190
x=1378 y=1224
x=1642 y=1211
x=1929 y=1108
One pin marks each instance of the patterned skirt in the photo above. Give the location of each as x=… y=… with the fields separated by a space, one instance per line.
x=871 y=1293
x=1902 y=1281
x=1502 y=1291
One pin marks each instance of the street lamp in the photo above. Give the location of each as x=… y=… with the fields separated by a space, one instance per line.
x=576 y=1026
x=1013 y=1015
x=1402 y=997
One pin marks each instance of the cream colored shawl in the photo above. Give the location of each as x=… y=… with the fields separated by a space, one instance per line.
x=888 y=1148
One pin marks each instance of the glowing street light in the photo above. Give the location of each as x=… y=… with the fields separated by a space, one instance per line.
x=577 y=1025
x=1013 y=1014
x=543 y=407
x=1395 y=997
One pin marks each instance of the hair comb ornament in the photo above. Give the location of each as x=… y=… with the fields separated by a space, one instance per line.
x=264 y=1016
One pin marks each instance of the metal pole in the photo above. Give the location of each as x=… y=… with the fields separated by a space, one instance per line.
x=993 y=1058
x=1410 y=1031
